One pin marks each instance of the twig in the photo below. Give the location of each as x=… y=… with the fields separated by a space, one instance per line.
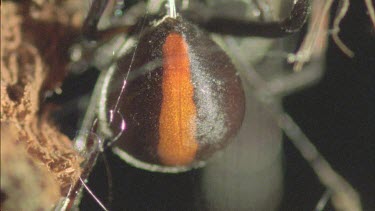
x=316 y=29
x=323 y=201
x=344 y=196
x=343 y=9
x=371 y=11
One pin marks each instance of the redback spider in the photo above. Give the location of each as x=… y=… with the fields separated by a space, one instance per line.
x=175 y=95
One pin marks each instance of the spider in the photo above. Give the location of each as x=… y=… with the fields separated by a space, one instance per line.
x=177 y=92
x=131 y=93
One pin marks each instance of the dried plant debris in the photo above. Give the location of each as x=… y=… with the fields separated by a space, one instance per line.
x=38 y=163
x=314 y=42
x=25 y=183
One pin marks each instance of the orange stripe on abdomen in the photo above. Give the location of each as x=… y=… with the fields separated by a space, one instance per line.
x=177 y=144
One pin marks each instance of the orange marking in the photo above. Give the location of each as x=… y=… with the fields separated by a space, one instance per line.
x=177 y=143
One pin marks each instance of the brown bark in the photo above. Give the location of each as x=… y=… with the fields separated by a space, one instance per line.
x=38 y=163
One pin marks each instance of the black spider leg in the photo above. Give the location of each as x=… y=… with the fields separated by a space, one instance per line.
x=242 y=28
x=90 y=32
x=90 y=25
x=89 y=28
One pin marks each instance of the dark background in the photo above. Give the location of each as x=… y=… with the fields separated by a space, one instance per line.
x=337 y=114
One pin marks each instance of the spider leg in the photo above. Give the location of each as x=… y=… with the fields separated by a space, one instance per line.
x=236 y=27
x=90 y=26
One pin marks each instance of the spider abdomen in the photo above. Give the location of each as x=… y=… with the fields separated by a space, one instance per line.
x=183 y=99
